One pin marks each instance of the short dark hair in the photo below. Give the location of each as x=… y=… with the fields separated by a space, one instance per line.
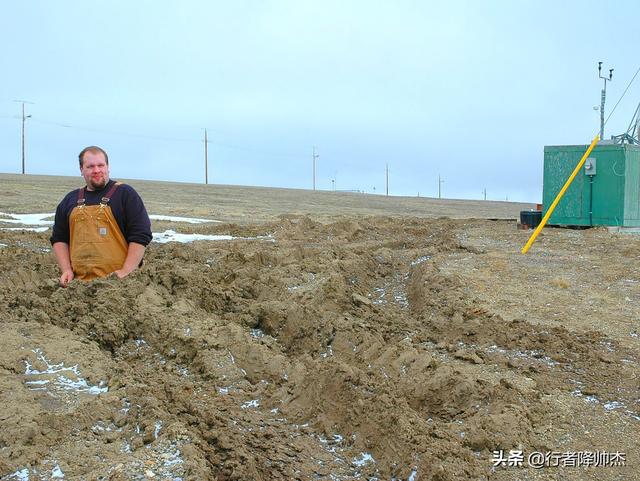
x=94 y=150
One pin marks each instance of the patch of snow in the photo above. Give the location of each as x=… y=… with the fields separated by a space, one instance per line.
x=610 y=406
x=30 y=229
x=420 y=260
x=57 y=473
x=20 y=475
x=257 y=333
x=364 y=458
x=61 y=381
x=633 y=415
x=100 y=427
x=80 y=385
x=400 y=299
x=27 y=219
x=173 y=459
x=328 y=353
x=188 y=220
x=381 y=293
x=126 y=406
x=173 y=236
x=254 y=403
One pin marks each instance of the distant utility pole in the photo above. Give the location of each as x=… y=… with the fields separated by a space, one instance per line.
x=440 y=182
x=24 y=117
x=484 y=192
x=387 y=180
x=603 y=96
x=206 y=158
x=315 y=156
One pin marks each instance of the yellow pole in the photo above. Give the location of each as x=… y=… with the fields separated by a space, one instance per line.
x=553 y=205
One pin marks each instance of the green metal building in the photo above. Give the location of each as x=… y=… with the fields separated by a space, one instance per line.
x=605 y=192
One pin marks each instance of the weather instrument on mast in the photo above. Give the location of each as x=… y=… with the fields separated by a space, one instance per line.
x=603 y=96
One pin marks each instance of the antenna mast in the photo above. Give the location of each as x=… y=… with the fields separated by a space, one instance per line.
x=603 y=96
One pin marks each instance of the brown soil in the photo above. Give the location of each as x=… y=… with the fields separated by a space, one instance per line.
x=347 y=347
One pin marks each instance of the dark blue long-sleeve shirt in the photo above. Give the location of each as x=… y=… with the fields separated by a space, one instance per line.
x=126 y=205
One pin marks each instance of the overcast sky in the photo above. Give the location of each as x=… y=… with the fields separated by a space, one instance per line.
x=468 y=90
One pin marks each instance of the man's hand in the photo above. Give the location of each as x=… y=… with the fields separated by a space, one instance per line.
x=66 y=277
x=61 y=250
x=121 y=273
x=134 y=256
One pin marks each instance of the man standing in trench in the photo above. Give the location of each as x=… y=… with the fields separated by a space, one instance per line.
x=102 y=228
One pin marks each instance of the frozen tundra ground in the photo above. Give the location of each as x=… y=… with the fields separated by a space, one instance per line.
x=319 y=335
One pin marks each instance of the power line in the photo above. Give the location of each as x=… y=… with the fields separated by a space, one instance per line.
x=113 y=132
x=166 y=138
x=623 y=94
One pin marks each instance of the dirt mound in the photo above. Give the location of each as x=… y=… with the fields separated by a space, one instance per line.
x=333 y=351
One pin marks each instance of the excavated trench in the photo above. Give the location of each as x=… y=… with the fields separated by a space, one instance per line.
x=330 y=351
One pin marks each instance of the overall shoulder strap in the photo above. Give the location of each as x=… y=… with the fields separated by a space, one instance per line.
x=105 y=200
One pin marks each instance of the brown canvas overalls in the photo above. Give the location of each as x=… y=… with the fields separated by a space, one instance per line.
x=97 y=245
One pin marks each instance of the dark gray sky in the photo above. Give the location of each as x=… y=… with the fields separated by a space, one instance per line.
x=468 y=90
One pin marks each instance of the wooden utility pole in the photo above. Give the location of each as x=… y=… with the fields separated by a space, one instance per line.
x=387 y=176
x=440 y=181
x=24 y=117
x=206 y=158
x=485 y=193
x=315 y=156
